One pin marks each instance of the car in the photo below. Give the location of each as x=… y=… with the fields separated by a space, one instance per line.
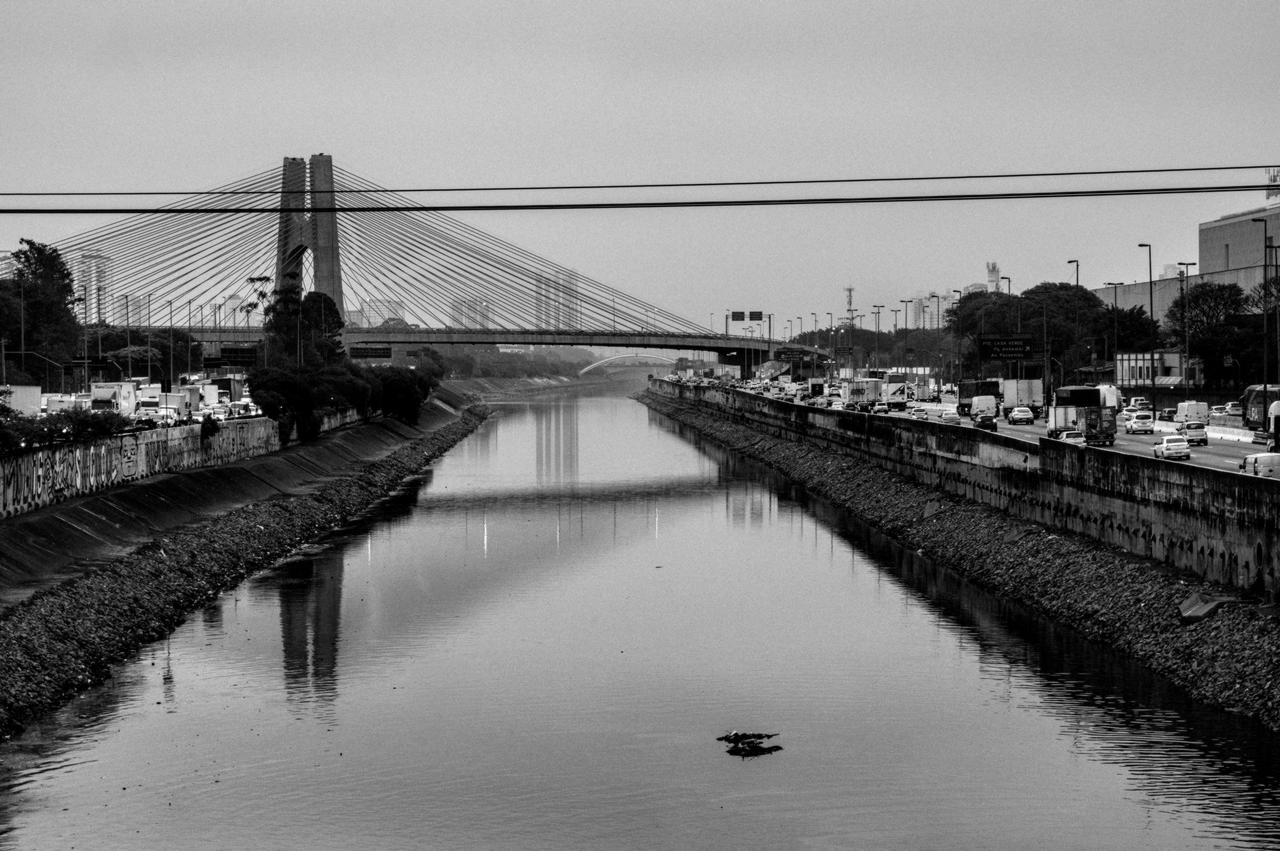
x=1126 y=413
x=1234 y=409
x=880 y=408
x=949 y=416
x=986 y=422
x=1140 y=423
x=1261 y=464
x=1166 y=415
x=1020 y=415
x=1172 y=446
x=1218 y=411
x=1076 y=437
x=919 y=414
x=1194 y=432
x=837 y=404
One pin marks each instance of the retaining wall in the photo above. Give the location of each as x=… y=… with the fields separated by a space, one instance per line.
x=51 y=475
x=1216 y=524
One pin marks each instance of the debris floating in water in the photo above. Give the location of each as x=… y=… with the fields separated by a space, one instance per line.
x=748 y=745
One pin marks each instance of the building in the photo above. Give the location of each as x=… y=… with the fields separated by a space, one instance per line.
x=376 y=311
x=92 y=275
x=470 y=313
x=557 y=303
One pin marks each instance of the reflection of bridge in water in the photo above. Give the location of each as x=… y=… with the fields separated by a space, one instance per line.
x=402 y=275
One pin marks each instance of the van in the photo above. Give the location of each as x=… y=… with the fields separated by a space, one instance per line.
x=1196 y=411
x=1261 y=464
x=984 y=406
x=1194 y=432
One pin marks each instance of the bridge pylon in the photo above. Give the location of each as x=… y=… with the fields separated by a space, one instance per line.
x=302 y=229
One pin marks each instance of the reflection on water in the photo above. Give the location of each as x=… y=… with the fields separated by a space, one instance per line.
x=554 y=640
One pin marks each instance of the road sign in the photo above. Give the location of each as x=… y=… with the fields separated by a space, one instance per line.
x=1005 y=347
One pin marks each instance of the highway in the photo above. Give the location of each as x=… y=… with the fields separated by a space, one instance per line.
x=1226 y=445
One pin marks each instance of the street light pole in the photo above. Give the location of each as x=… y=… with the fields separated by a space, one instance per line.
x=1008 y=281
x=1186 y=328
x=1115 y=323
x=959 y=332
x=1266 y=424
x=895 y=311
x=1151 y=306
x=875 y=311
x=1076 y=263
x=906 y=316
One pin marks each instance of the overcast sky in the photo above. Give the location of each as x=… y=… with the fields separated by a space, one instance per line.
x=168 y=95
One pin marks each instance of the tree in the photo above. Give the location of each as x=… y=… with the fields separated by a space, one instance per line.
x=322 y=325
x=37 y=307
x=1208 y=317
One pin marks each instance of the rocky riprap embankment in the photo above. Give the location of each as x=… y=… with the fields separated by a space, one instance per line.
x=1230 y=659
x=64 y=639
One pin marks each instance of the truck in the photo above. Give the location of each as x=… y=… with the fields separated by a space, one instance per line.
x=1023 y=393
x=120 y=397
x=1082 y=408
x=899 y=389
x=1192 y=411
x=864 y=392
x=975 y=387
x=23 y=398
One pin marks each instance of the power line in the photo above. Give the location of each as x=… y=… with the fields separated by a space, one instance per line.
x=685 y=185
x=644 y=205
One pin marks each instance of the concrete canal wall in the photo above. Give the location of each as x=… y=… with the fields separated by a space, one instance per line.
x=49 y=476
x=1216 y=524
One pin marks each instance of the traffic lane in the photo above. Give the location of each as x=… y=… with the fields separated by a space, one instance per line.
x=1222 y=453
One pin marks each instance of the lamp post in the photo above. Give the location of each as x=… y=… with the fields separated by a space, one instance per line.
x=1008 y=281
x=875 y=311
x=895 y=311
x=906 y=317
x=1266 y=424
x=790 y=325
x=937 y=310
x=1151 y=306
x=1115 y=324
x=1186 y=330
x=1076 y=263
x=959 y=328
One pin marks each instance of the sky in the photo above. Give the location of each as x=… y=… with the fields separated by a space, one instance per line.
x=132 y=95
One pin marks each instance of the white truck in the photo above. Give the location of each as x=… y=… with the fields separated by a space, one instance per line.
x=984 y=406
x=1024 y=393
x=1197 y=412
x=118 y=396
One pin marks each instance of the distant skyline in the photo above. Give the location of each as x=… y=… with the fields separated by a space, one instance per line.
x=187 y=96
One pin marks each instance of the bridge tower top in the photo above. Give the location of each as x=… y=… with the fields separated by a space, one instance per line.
x=311 y=228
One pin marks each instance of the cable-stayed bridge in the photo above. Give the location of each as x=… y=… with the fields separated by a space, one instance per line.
x=400 y=277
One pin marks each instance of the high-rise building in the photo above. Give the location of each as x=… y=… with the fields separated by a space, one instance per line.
x=379 y=310
x=557 y=303
x=470 y=313
x=91 y=271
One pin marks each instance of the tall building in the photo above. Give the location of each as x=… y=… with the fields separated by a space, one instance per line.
x=470 y=313
x=379 y=310
x=92 y=275
x=557 y=303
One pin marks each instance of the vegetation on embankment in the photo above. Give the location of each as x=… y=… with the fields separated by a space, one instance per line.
x=66 y=638
x=1230 y=659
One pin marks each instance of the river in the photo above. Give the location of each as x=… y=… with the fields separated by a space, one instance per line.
x=537 y=645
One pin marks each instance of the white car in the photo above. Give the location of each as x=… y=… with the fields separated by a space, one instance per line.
x=919 y=414
x=1140 y=423
x=1076 y=437
x=950 y=416
x=1127 y=414
x=1020 y=415
x=880 y=408
x=1218 y=411
x=1173 y=446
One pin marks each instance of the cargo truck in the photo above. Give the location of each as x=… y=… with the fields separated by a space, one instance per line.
x=975 y=387
x=1023 y=393
x=118 y=396
x=1082 y=409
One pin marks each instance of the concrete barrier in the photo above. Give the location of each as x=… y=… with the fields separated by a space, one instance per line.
x=1216 y=524
x=51 y=475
